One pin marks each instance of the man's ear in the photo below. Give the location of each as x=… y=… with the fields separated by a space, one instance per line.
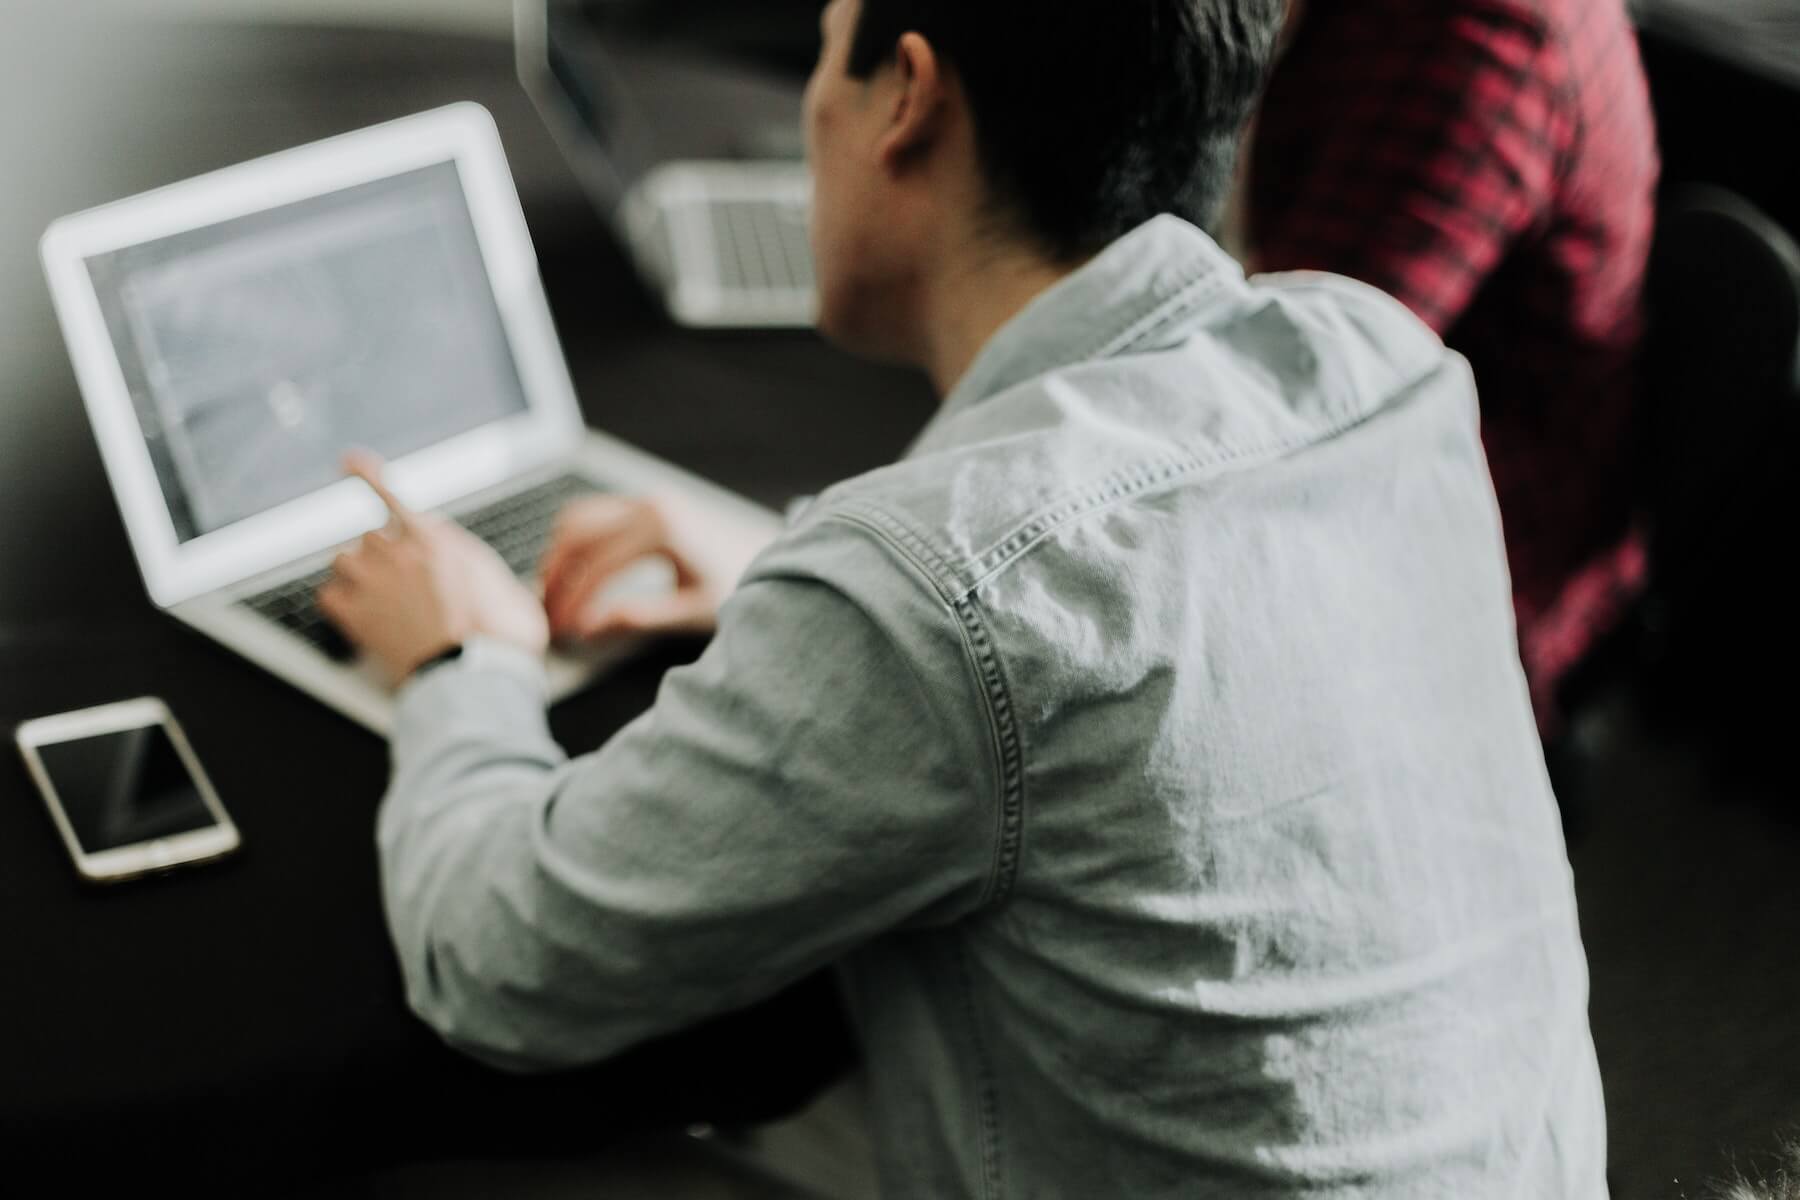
x=916 y=120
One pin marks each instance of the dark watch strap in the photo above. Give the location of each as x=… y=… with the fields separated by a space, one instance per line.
x=451 y=654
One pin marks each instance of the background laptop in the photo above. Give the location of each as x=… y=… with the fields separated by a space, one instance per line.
x=235 y=334
x=695 y=162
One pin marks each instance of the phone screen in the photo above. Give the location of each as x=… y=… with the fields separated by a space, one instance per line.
x=122 y=788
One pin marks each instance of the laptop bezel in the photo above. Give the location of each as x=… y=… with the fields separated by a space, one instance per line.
x=464 y=133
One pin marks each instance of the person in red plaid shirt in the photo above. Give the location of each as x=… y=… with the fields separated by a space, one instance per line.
x=1492 y=164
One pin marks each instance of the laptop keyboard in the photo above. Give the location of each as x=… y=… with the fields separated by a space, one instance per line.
x=762 y=245
x=291 y=606
x=517 y=526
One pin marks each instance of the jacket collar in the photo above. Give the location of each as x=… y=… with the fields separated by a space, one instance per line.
x=1119 y=300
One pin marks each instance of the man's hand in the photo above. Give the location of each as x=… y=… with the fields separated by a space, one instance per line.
x=598 y=537
x=422 y=585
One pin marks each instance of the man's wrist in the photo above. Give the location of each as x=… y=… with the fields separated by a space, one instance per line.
x=493 y=688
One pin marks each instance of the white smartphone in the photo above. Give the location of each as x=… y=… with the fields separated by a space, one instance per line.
x=125 y=790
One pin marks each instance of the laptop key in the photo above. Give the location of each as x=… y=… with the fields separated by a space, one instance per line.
x=291 y=605
x=324 y=635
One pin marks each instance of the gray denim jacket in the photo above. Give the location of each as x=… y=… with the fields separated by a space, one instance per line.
x=1149 y=748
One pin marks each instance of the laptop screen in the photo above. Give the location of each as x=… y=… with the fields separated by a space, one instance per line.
x=258 y=350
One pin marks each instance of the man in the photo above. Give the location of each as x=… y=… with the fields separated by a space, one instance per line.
x=1148 y=747
x=1492 y=164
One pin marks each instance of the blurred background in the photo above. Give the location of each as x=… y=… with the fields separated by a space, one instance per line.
x=470 y=16
x=1682 y=808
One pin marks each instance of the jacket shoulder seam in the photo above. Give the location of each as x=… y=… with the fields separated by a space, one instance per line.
x=981 y=656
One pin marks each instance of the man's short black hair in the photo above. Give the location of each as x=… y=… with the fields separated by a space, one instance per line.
x=1093 y=116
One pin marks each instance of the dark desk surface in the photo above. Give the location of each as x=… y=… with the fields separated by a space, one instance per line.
x=258 y=996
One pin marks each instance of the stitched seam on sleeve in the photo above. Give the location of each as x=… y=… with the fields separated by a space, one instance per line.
x=984 y=663
x=1011 y=751
x=890 y=529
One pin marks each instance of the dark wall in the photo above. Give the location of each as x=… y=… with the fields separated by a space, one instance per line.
x=1720 y=123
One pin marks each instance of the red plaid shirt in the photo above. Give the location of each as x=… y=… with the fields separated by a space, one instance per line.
x=1492 y=164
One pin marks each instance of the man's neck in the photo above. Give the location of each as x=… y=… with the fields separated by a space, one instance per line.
x=970 y=301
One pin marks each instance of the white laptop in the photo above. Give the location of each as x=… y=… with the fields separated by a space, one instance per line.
x=235 y=334
x=724 y=241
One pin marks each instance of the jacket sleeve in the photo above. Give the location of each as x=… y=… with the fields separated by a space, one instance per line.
x=823 y=774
